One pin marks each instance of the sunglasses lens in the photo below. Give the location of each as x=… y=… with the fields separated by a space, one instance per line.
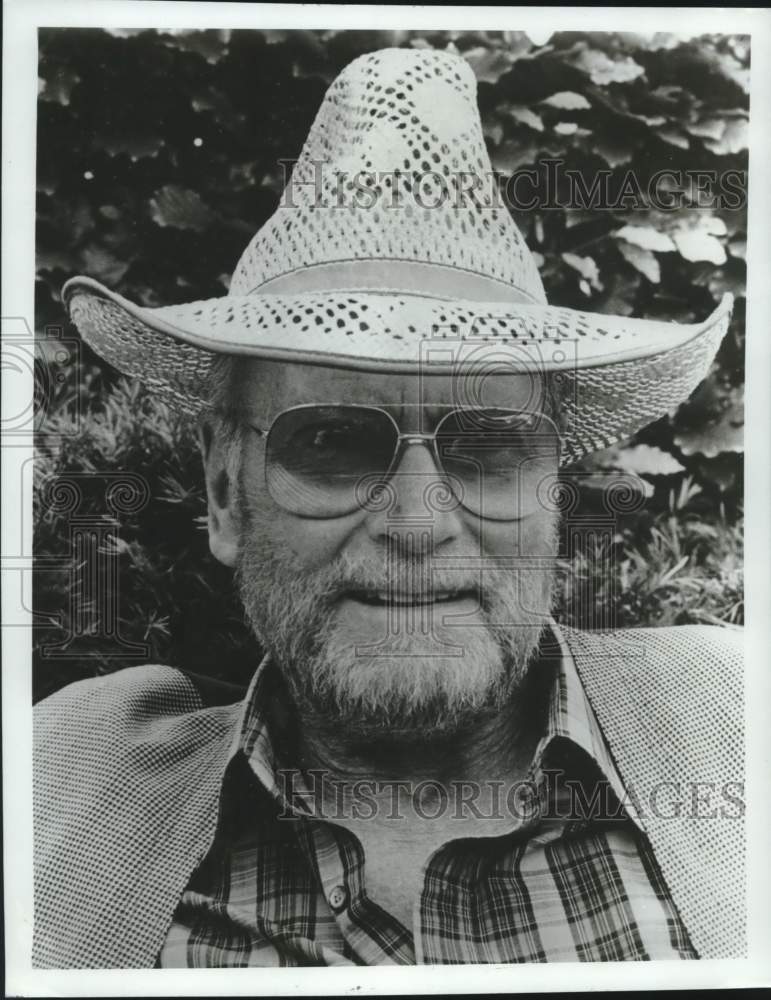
x=502 y=459
x=317 y=457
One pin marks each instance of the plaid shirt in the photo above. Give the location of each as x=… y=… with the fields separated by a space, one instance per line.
x=281 y=888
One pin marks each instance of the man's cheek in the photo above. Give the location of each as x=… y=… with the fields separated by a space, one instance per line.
x=266 y=531
x=308 y=544
x=535 y=535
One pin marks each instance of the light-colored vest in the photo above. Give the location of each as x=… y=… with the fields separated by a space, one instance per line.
x=128 y=770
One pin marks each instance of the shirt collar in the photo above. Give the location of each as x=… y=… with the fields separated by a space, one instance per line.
x=251 y=735
x=570 y=717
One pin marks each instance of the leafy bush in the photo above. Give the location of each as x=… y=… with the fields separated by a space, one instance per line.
x=159 y=156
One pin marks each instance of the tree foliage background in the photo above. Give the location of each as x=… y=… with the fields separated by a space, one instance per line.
x=159 y=157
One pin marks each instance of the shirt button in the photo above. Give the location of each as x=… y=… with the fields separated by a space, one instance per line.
x=338 y=897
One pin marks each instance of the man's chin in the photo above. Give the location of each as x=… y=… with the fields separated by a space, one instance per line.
x=412 y=686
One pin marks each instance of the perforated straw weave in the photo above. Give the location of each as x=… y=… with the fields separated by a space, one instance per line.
x=390 y=242
x=600 y=404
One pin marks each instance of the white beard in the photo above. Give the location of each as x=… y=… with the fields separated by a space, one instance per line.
x=436 y=679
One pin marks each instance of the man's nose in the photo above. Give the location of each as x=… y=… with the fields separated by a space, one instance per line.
x=418 y=497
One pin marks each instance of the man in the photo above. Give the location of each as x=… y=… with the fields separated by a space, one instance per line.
x=426 y=767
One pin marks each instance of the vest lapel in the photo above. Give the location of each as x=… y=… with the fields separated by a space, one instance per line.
x=117 y=840
x=669 y=702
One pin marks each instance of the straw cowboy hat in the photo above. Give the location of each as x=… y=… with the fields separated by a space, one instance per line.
x=346 y=274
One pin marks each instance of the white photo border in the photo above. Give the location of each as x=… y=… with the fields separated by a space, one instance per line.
x=21 y=20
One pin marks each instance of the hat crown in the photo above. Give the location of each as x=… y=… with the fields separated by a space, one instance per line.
x=395 y=168
x=393 y=289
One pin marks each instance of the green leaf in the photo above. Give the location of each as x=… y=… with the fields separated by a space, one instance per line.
x=56 y=86
x=738 y=248
x=712 y=421
x=698 y=244
x=493 y=131
x=707 y=128
x=210 y=43
x=711 y=224
x=101 y=264
x=660 y=40
x=619 y=297
x=489 y=65
x=732 y=70
x=668 y=98
x=511 y=155
x=527 y=117
x=602 y=70
x=733 y=139
x=51 y=260
x=647 y=460
x=180 y=208
x=726 y=280
x=640 y=459
x=567 y=100
x=674 y=137
x=641 y=260
x=674 y=570
x=586 y=267
x=571 y=128
x=614 y=151
x=645 y=237
x=539 y=36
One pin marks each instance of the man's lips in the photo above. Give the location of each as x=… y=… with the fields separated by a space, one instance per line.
x=401 y=598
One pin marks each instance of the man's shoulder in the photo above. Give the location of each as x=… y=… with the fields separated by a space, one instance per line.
x=151 y=687
x=679 y=650
x=670 y=703
x=684 y=681
x=128 y=769
x=130 y=714
x=673 y=691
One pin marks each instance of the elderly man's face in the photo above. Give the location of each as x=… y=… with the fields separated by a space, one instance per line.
x=399 y=615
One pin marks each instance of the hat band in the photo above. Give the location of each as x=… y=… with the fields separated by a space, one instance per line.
x=401 y=277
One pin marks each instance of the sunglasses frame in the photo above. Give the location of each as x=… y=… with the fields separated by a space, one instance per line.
x=403 y=441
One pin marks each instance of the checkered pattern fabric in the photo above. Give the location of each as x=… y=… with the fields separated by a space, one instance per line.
x=129 y=771
x=281 y=892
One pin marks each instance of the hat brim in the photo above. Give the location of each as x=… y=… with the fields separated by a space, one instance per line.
x=618 y=373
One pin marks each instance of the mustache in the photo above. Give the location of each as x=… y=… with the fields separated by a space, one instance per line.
x=401 y=575
x=401 y=579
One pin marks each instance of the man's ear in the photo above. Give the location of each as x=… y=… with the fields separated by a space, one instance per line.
x=220 y=493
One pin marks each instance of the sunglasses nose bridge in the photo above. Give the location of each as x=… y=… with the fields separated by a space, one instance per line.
x=415 y=476
x=409 y=439
x=407 y=442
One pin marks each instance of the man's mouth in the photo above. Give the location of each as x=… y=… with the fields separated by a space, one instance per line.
x=400 y=598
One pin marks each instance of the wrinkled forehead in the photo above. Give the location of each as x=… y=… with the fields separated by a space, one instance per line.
x=265 y=388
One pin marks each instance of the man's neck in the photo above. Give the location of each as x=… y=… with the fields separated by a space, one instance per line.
x=407 y=773
x=487 y=744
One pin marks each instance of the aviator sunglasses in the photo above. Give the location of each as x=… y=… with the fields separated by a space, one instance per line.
x=325 y=461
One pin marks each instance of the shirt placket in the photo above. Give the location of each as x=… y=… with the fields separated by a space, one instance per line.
x=374 y=936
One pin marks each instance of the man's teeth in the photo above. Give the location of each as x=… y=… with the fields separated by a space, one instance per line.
x=397 y=597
